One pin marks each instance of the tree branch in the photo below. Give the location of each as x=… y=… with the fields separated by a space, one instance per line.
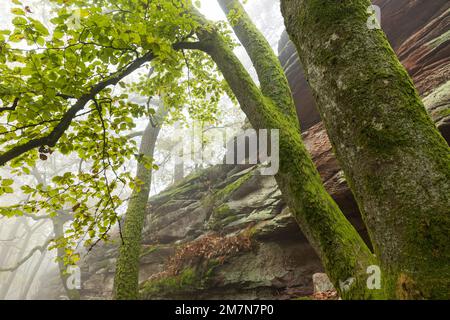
x=12 y=108
x=40 y=248
x=52 y=138
x=135 y=134
x=32 y=125
x=198 y=45
x=36 y=218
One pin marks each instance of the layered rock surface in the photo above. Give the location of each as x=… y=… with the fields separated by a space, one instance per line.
x=225 y=202
x=268 y=257
x=419 y=32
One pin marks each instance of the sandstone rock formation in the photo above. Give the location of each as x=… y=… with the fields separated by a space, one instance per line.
x=268 y=256
x=419 y=32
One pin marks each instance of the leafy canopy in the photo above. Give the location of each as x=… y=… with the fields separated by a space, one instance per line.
x=65 y=89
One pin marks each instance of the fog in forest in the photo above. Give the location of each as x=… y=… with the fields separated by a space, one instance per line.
x=257 y=150
x=24 y=259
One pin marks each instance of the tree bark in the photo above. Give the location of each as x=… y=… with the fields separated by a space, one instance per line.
x=178 y=172
x=126 y=281
x=4 y=253
x=395 y=160
x=26 y=289
x=12 y=274
x=273 y=81
x=343 y=252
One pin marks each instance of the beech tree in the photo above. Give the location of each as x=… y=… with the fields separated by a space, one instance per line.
x=396 y=162
x=56 y=235
x=63 y=91
x=23 y=256
x=57 y=96
x=127 y=267
x=343 y=252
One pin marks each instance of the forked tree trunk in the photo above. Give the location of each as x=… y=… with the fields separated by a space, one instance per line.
x=343 y=252
x=395 y=160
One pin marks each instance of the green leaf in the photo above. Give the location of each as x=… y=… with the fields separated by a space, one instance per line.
x=17 y=11
x=40 y=27
x=19 y=21
x=58 y=35
x=17 y=37
x=8 y=190
x=40 y=41
x=7 y=182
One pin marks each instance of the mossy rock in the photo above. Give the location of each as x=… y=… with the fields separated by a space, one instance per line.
x=180 y=286
x=182 y=283
x=217 y=225
x=146 y=250
x=438 y=101
x=230 y=188
x=221 y=216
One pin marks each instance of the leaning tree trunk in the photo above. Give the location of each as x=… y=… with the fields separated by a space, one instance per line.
x=342 y=251
x=396 y=162
x=126 y=281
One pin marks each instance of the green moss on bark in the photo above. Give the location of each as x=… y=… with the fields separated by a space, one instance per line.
x=126 y=280
x=396 y=162
x=343 y=252
x=273 y=81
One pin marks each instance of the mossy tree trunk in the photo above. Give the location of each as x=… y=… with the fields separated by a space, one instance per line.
x=126 y=281
x=396 y=162
x=342 y=250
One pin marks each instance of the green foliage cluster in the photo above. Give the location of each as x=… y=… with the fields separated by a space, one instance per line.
x=65 y=90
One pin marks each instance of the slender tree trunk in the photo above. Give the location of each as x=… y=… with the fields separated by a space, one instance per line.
x=273 y=82
x=58 y=230
x=126 y=281
x=12 y=274
x=32 y=276
x=343 y=252
x=395 y=160
x=4 y=253
x=178 y=172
